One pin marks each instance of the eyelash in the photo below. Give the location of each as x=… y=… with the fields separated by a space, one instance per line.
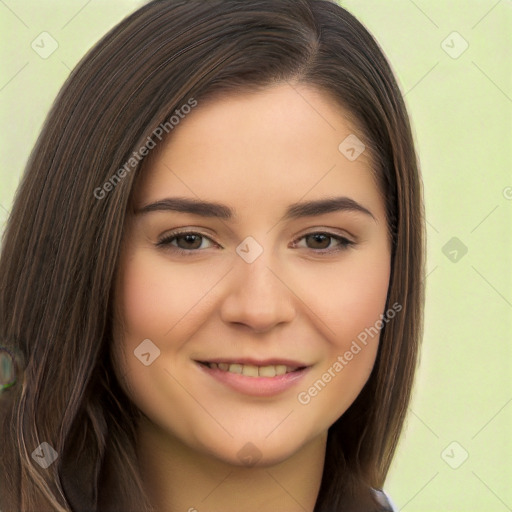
x=165 y=242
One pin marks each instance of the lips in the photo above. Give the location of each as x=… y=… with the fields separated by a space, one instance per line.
x=255 y=362
x=259 y=378
x=252 y=368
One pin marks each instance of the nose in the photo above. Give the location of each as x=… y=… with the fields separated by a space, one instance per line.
x=257 y=297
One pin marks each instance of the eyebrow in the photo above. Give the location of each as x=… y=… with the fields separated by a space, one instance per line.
x=221 y=211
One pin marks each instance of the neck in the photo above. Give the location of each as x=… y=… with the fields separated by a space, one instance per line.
x=178 y=478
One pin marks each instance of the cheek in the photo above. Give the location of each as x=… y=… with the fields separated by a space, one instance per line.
x=155 y=301
x=350 y=354
x=151 y=299
x=362 y=306
x=146 y=309
x=155 y=296
x=363 y=300
x=147 y=304
x=350 y=303
x=348 y=298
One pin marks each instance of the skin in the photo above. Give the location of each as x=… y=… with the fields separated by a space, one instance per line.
x=256 y=153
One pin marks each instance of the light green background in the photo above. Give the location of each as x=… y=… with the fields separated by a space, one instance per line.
x=461 y=110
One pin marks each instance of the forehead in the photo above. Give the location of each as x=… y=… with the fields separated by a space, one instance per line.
x=279 y=144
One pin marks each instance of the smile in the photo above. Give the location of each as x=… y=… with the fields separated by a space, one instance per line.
x=250 y=370
x=255 y=378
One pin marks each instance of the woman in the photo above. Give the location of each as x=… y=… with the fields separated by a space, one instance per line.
x=260 y=369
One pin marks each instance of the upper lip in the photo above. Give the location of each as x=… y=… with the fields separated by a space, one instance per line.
x=255 y=362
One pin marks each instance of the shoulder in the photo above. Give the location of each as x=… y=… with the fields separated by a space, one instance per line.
x=384 y=500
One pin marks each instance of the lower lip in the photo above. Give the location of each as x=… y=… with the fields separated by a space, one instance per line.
x=255 y=386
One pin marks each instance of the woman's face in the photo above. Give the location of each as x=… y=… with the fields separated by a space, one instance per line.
x=284 y=268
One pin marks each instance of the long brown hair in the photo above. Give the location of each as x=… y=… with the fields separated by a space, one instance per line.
x=62 y=241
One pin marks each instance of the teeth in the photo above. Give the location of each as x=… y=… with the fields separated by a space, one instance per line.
x=249 y=370
x=235 y=368
x=281 y=369
x=268 y=371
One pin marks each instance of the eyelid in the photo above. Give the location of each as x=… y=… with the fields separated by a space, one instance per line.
x=310 y=231
x=181 y=232
x=345 y=240
x=334 y=232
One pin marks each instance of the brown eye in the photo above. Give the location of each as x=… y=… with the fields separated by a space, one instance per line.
x=189 y=241
x=319 y=241
x=185 y=242
x=322 y=242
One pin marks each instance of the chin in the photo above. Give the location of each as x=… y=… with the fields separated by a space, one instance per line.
x=257 y=451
